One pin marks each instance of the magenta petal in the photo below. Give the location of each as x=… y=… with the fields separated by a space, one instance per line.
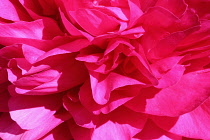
x=117 y=98
x=79 y=133
x=43 y=129
x=9 y=129
x=71 y=47
x=135 y=12
x=117 y=125
x=61 y=132
x=169 y=44
x=83 y=117
x=35 y=110
x=12 y=10
x=8 y=11
x=39 y=29
x=201 y=7
x=172 y=6
x=4 y=97
x=102 y=85
x=94 y=21
x=193 y=124
x=31 y=53
x=152 y=131
x=171 y=77
x=184 y=96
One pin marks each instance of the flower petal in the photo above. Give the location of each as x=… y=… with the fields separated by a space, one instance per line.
x=94 y=21
x=102 y=85
x=30 y=112
x=9 y=129
x=152 y=131
x=192 y=124
x=184 y=96
x=119 y=126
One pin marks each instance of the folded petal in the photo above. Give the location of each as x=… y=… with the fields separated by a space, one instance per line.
x=103 y=85
x=152 y=131
x=12 y=10
x=83 y=117
x=44 y=129
x=201 y=7
x=30 y=112
x=172 y=6
x=120 y=126
x=94 y=21
x=39 y=29
x=117 y=98
x=9 y=129
x=78 y=132
x=135 y=12
x=183 y=97
x=61 y=132
x=193 y=124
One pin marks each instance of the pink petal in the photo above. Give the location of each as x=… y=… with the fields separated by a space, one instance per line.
x=9 y=52
x=201 y=7
x=43 y=129
x=159 y=14
x=172 y=6
x=118 y=125
x=4 y=97
x=9 y=129
x=167 y=45
x=83 y=117
x=30 y=112
x=120 y=13
x=37 y=79
x=71 y=47
x=19 y=64
x=152 y=131
x=79 y=133
x=135 y=12
x=193 y=124
x=31 y=53
x=201 y=35
x=117 y=98
x=171 y=77
x=103 y=85
x=12 y=10
x=94 y=21
x=184 y=96
x=61 y=132
x=146 y=4
x=72 y=29
x=161 y=66
x=50 y=76
x=39 y=29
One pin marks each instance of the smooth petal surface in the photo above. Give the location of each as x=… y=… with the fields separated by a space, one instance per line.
x=117 y=98
x=152 y=131
x=9 y=129
x=32 y=30
x=94 y=21
x=121 y=127
x=56 y=133
x=102 y=85
x=12 y=10
x=176 y=100
x=192 y=124
x=24 y=108
x=43 y=129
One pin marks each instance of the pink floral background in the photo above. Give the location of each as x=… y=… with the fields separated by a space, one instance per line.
x=104 y=69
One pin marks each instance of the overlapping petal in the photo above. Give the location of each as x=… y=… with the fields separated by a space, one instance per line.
x=104 y=69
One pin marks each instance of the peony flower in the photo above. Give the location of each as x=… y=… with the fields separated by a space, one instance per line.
x=104 y=69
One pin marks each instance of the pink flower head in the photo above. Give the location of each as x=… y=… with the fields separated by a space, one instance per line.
x=104 y=69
